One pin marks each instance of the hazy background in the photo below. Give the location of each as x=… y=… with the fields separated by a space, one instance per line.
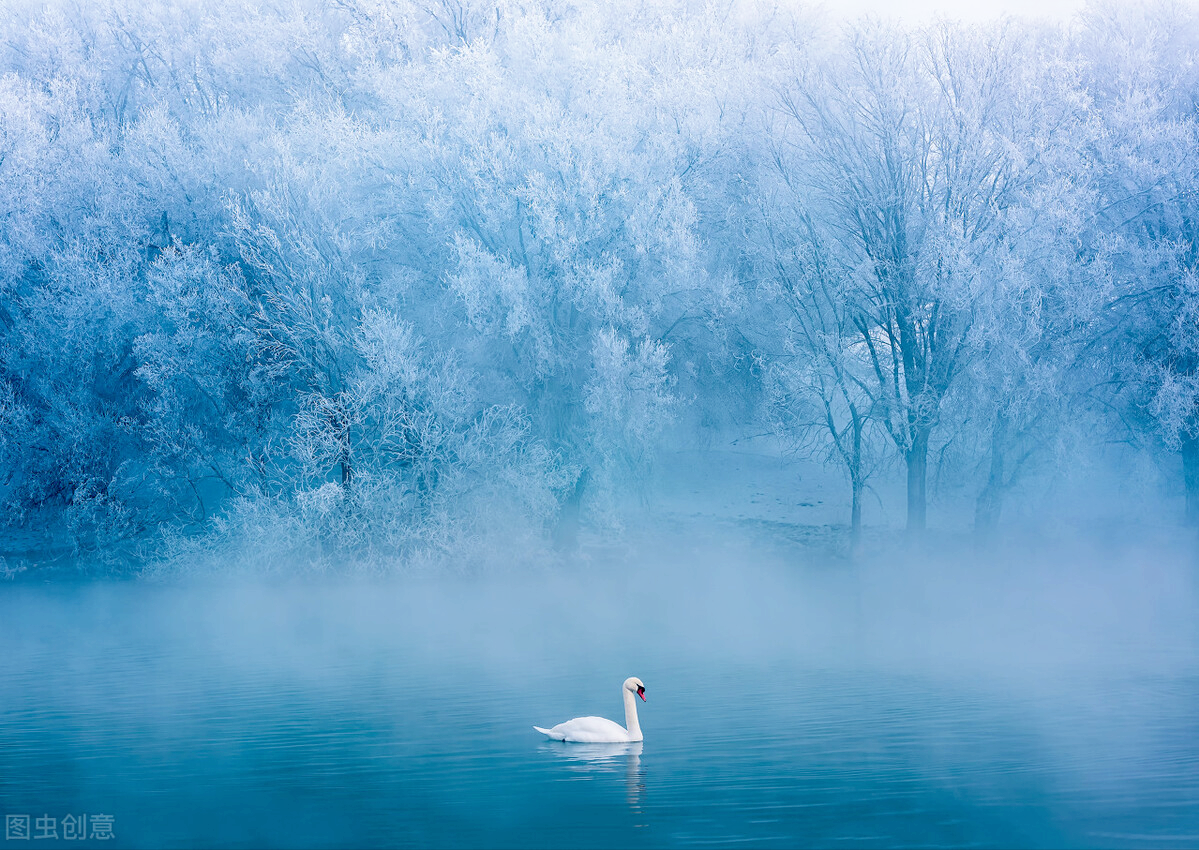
x=380 y=378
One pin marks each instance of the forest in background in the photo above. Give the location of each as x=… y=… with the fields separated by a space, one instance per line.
x=384 y=280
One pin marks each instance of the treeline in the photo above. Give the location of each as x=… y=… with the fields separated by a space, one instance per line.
x=392 y=276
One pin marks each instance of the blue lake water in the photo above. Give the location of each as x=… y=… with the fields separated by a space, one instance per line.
x=361 y=715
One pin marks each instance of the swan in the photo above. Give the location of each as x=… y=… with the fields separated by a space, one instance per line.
x=597 y=730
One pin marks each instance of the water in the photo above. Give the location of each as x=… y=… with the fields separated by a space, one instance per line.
x=356 y=715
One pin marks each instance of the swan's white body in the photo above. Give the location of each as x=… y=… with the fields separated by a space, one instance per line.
x=599 y=730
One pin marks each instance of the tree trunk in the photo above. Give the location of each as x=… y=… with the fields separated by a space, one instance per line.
x=855 y=479
x=990 y=501
x=917 y=462
x=1190 y=476
x=855 y=516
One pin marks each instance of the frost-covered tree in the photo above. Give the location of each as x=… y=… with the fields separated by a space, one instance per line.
x=74 y=242
x=817 y=373
x=208 y=410
x=903 y=147
x=1142 y=78
x=1035 y=303
x=557 y=169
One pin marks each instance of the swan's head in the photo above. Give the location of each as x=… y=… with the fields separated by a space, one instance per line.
x=634 y=684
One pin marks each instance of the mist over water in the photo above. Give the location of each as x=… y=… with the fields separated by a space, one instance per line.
x=1045 y=697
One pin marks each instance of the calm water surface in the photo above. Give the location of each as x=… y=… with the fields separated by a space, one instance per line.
x=359 y=715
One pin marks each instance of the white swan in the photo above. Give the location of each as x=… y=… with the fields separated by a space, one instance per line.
x=597 y=730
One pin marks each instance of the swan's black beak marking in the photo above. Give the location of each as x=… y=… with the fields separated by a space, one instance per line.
x=641 y=693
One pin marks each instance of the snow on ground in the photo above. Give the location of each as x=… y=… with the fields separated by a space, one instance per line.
x=744 y=484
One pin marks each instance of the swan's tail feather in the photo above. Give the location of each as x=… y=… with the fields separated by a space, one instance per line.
x=542 y=731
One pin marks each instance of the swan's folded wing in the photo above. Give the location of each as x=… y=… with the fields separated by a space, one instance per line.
x=590 y=730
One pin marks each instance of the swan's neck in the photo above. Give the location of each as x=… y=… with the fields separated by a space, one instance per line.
x=630 y=716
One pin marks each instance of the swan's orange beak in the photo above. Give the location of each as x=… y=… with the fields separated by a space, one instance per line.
x=641 y=693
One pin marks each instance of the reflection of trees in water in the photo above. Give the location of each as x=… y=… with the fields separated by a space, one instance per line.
x=598 y=759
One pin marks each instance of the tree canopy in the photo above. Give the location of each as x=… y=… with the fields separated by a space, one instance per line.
x=400 y=276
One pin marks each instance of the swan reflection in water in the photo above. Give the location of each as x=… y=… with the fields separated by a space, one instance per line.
x=594 y=759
